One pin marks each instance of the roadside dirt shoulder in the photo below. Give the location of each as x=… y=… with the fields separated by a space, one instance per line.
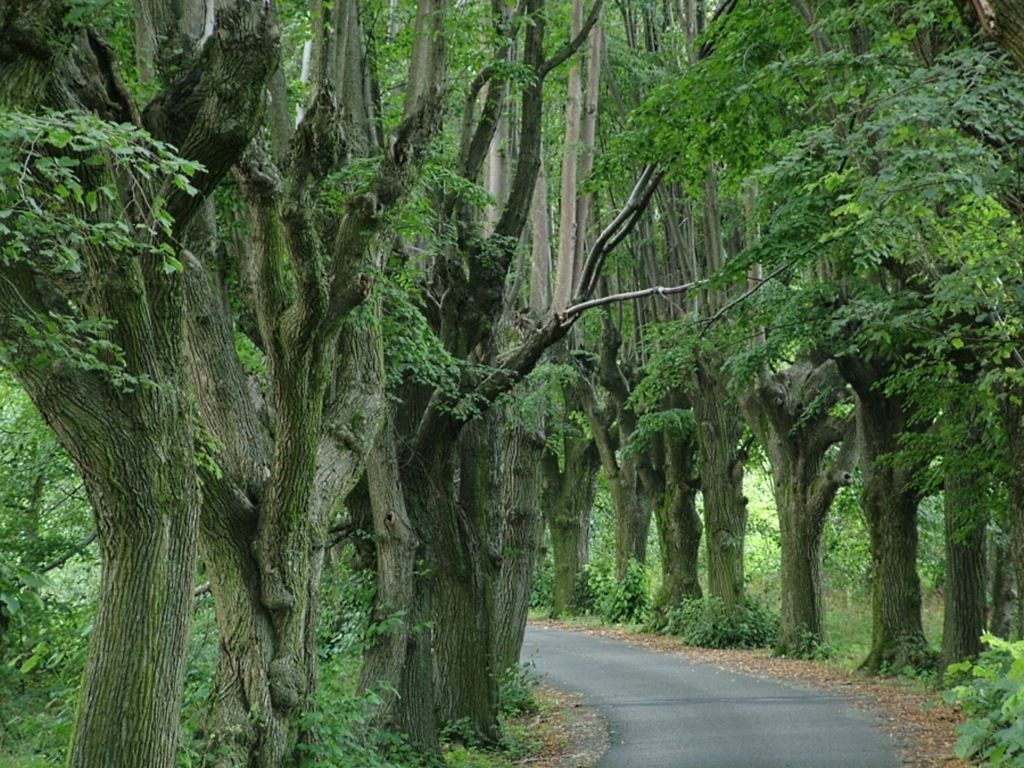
x=571 y=735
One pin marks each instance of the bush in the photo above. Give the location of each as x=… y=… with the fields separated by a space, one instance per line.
x=991 y=692
x=516 y=687
x=708 y=623
x=621 y=601
x=584 y=594
x=542 y=592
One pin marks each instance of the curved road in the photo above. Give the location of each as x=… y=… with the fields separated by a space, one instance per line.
x=666 y=712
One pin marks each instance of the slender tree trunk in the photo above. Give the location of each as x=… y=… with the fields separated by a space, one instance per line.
x=568 y=499
x=725 y=507
x=1003 y=589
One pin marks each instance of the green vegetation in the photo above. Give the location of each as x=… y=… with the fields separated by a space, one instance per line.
x=334 y=336
x=991 y=691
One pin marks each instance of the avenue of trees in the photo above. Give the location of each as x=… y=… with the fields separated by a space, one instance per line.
x=411 y=287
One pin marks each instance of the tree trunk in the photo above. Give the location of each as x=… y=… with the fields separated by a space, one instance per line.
x=146 y=503
x=890 y=501
x=672 y=487
x=519 y=527
x=1003 y=20
x=965 y=521
x=1003 y=589
x=568 y=499
x=721 y=472
x=463 y=566
x=134 y=451
x=1012 y=414
x=788 y=411
x=264 y=564
x=632 y=517
x=395 y=605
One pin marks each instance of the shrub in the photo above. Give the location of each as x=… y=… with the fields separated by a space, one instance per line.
x=624 y=600
x=584 y=595
x=542 y=592
x=709 y=623
x=516 y=687
x=991 y=692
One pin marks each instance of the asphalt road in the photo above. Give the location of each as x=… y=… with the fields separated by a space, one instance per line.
x=666 y=712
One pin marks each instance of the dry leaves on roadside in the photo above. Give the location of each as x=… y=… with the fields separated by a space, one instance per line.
x=572 y=736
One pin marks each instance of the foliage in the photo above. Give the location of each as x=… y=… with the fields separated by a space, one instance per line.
x=542 y=589
x=620 y=601
x=516 y=688
x=60 y=210
x=709 y=623
x=991 y=692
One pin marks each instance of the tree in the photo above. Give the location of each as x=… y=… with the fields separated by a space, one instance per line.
x=124 y=417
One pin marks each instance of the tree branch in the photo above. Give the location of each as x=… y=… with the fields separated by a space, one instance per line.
x=567 y=50
x=571 y=314
x=77 y=549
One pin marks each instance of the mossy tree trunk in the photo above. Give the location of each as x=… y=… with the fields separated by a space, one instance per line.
x=398 y=664
x=285 y=467
x=719 y=429
x=128 y=427
x=965 y=520
x=668 y=472
x=889 y=499
x=568 y=498
x=789 y=413
x=611 y=427
x=519 y=530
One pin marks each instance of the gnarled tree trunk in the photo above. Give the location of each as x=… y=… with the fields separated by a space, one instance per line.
x=519 y=526
x=721 y=481
x=796 y=440
x=889 y=500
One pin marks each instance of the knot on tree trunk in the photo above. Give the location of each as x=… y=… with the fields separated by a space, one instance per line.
x=273 y=592
x=285 y=683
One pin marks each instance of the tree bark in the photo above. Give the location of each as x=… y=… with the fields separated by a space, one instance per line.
x=796 y=440
x=519 y=528
x=889 y=500
x=965 y=520
x=721 y=472
x=568 y=499
x=1011 y=409
x=397 y=546
x=462 y=565
x=668 y=474
x=1003 y=21
x=1003 y=589
x=132 y=443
